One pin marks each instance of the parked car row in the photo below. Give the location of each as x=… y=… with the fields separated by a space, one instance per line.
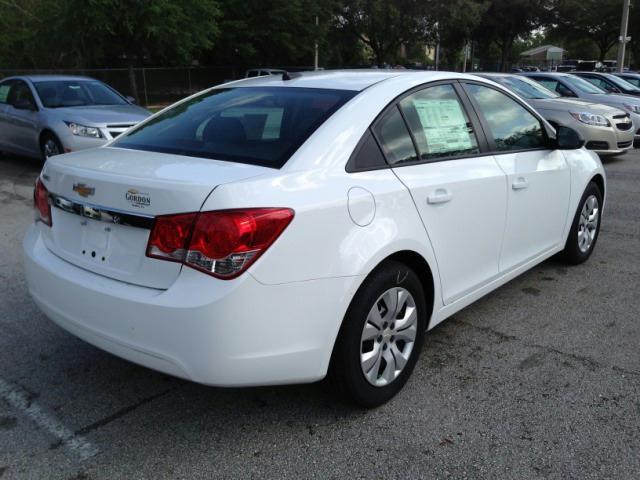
x=606 y=130
x=42 y=116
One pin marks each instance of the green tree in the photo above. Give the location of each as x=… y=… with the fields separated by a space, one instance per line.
x=596 y=20
x=506 y=21
x=456 y=22
x=156 y=30
x=270 y=32
x=385 y=25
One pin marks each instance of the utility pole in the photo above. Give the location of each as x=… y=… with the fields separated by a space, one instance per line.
x=437 y=59
x=623 y=39
x=315 y=48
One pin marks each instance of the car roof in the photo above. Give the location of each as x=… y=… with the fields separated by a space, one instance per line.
x=48 y=78
x=545 y=74
x=357 y=80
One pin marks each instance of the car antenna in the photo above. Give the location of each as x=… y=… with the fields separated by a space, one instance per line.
x=290 y=76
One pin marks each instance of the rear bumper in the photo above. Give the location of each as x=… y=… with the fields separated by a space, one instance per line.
x=223 y=333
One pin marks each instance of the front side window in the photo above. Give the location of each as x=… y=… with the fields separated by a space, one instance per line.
x=4 y=90
x=598 y=82
x=394 y=138
x=512 y=126
x=582 y=85
x=20 y=94
x=257 y=125
x=526 y=88
x=76 y=93
x=439 y=124
x=623 y=83
x=633 y=81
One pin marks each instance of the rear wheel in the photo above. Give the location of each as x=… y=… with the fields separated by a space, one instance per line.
x=381 y=336
x=586 y=226
x=50 y=146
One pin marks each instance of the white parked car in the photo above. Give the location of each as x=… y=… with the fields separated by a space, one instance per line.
x=270 y=231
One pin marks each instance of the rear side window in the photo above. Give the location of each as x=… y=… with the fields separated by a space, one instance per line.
x=512 y=126
x=257 y=125
x=395 y=139
x=439 y=124
x=367 y=155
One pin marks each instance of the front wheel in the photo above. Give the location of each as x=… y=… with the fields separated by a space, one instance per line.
x=381 y=336
x=50 y=146
x=586 y=226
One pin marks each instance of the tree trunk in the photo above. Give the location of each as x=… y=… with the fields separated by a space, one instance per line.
x=132 y=78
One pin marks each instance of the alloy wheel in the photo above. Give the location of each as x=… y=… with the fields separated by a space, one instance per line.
x=388 y=336
x=588 y=223
x=51 y=148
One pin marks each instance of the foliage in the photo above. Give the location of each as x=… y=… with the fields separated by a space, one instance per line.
x=385 y=25
x=596 y=20
x=248 y=33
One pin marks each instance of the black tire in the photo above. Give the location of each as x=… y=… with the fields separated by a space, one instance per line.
x=573 y=253
x=45 y=146
x=346 y=374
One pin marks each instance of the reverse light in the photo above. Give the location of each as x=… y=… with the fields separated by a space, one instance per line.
x=83 y=131
x=41 y=203
x=221 y=243
x=591 y=119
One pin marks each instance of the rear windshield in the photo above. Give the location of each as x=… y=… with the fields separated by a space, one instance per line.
x=257 y=125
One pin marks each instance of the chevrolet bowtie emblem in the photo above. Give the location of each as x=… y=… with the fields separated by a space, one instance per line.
x=82 y=190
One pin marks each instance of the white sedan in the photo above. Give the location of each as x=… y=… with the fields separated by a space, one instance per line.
x=281 y=229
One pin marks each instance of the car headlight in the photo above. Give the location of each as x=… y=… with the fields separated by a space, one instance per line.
x=631 y=108
x=84 y=131
x=591 y=119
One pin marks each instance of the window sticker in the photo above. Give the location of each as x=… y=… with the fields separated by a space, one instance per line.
x=444 y=125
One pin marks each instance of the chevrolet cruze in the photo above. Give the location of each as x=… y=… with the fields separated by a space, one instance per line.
x=46 y=115
x=281 y=229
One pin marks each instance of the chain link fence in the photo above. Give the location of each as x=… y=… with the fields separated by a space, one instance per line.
x=155 y=85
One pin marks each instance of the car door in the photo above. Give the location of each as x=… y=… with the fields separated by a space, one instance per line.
x=432 y=143
x=4 y=124
x=22 y=122
x=538 y=177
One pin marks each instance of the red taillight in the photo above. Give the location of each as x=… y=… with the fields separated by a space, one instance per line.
x=41 y=203
x=222 y=243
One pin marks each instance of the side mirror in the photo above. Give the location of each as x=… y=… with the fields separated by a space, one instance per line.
x=23 y=104
x=611 y=89
x=568 y=139
x=130 y=99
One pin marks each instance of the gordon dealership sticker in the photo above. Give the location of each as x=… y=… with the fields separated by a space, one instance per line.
x=138 y=199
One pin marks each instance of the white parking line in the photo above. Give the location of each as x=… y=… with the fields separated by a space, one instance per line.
x=19 y=399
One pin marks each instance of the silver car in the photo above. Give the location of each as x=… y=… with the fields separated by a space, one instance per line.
x=606 y=130
x=42 y=116
x=568 y=85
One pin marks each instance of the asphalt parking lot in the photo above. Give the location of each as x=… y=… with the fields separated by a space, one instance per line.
x=540 y=379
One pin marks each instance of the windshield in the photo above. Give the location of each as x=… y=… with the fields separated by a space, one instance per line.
x=526 y=88
x=257 y=125
x=582 y=85
x=76 y=93
x=623 y=84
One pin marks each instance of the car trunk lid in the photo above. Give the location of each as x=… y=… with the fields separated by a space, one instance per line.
x=105 y=200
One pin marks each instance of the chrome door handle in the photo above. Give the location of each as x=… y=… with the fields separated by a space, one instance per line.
x=441 y=195
x=520 y=184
